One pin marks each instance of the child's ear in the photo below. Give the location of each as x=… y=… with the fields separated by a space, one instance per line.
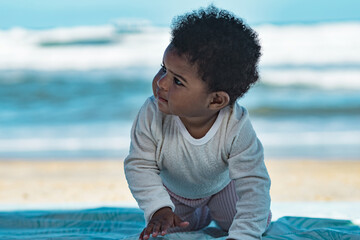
x=219 y=100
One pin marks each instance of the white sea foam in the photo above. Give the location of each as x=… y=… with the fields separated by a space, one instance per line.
x=55 y=49
x=329 y=78
x=335 y=138
x=319 y=44
x=306 y=48
x=63 y=144
x=344 y=138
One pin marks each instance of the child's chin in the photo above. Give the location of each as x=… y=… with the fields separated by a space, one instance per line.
x=163 y=109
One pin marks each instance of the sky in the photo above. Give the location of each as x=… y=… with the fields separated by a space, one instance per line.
x=39 y=14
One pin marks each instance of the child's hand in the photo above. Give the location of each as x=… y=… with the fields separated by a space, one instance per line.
x=161 y=221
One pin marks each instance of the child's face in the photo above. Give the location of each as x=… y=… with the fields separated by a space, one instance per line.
x=179 y=89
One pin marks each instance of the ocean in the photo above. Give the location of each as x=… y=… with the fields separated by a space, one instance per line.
x=73 y=92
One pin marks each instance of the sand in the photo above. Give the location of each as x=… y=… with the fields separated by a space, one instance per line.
x=99 y=181
x=315 y=180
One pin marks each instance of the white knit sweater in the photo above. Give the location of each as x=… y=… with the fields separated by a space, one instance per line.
x=162 y=152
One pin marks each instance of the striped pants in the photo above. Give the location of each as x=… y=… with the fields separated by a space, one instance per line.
x=220 y=207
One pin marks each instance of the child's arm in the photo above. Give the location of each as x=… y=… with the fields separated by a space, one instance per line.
x=141 y=169
x=142 y=174
x=252 y=183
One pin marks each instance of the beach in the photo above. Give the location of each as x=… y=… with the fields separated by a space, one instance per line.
x=103 y=181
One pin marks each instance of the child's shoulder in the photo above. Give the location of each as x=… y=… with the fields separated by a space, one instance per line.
x=149 y=118
x=150 y=101
x=238 y=112
x=238 y=120
x=149 y=106
x=148 y=111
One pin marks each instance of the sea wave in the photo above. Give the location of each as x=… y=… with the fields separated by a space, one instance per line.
x=81 y=48
x=291 y=111
x=64 y=144
x=347 y=78
x=299 y=139
x=316 y=44
x=321 y=55
x=121 y=143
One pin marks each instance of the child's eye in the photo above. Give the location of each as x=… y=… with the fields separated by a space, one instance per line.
x=178 y=82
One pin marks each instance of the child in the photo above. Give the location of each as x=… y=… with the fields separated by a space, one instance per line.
x=194 y=156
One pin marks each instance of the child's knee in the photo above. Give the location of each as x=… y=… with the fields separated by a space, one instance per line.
x=198 y=219
x=224 y=225
x=202 y=218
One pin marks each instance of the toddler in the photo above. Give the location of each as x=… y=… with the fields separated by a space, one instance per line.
x=194 y=156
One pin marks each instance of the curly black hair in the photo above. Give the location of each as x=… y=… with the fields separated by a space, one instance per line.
x=225 y=50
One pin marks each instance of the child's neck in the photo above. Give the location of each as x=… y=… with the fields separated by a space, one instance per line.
x=199 y=126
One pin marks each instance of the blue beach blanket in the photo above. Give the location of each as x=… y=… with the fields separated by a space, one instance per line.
x=127 y=223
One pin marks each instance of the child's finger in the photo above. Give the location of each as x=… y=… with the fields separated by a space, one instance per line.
x=178 y=222
x=148 y=230
x=142 y=234
x=164 y=228
x=184 y=224
x=156 y=230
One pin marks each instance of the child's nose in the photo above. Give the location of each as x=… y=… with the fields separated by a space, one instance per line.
x=163 y=82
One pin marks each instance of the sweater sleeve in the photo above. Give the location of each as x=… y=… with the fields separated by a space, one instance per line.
x=252 y=182
x=141 y=170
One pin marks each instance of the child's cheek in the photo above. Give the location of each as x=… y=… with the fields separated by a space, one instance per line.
x=154 y=88
x=154 y=82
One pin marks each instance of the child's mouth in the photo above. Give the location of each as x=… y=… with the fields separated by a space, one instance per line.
x=162 y=99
